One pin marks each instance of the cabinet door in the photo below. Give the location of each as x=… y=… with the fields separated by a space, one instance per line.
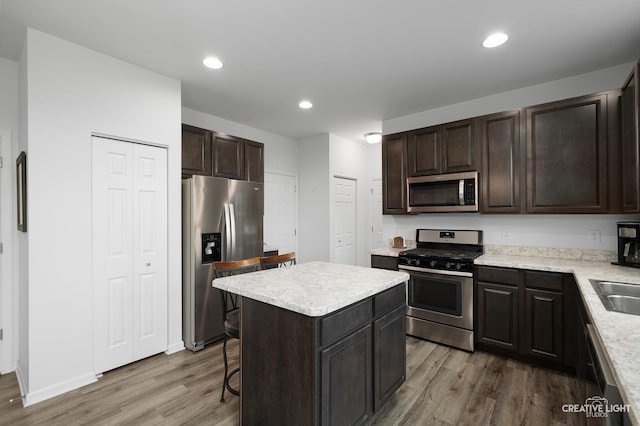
x=228 y=156
x=394 y=174
x=254 y=161
x=346 y=380
x=384 y=262
x=567 y=156
x=543 y=324
x=630 y=122
x=389 y=339
x=196 y=151
x=500 y=163
x=458 y=146
x=498 y=316
x=423 y=152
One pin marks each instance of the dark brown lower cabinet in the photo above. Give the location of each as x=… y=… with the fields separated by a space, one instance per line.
x=339 y=369
x=384 y=262
x=529 y=314
x=347 y=366
x=543 y=322
x=389 y=356
x=498 y=315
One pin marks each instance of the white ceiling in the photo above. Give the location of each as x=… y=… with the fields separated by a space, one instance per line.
x=359 y=61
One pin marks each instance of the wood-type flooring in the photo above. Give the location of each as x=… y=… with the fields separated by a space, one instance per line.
x=444 y=386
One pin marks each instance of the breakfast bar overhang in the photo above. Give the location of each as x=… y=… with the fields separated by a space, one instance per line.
x=320 y=343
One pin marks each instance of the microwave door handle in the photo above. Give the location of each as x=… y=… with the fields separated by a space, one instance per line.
x=461 y=191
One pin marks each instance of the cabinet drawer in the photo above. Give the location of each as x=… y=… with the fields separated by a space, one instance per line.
x=384 y=262
x=543 y=280
x=345 y=321
x=389 y=299
x=498 y=275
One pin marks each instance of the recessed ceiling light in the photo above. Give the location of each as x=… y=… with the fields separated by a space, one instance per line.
x=212 y=62
x=305 y=104
x=495 y=40
x=373 y=137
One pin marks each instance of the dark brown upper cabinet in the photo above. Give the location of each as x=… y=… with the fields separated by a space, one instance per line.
x=566 y=146
x=630 y=122
x=196 y=151
x=501 y=161
x=254 y=161
x=423 y=148
x=459 y=146
x=446 y=148
x=394 y=174
x=209 y=153
x=228 y=156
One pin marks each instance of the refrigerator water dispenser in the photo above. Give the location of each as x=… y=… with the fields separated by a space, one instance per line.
x=211 y=247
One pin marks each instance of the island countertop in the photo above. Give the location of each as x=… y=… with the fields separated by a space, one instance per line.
x=313 y=289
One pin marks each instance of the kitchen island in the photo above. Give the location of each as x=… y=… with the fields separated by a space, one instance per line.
x=320 y=343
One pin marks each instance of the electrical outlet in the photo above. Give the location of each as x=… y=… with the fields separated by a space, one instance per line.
x=594 y=236
x=506 y=234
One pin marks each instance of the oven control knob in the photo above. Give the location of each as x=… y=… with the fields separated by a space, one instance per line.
x=458 y=266
x=432 y=263
x=418 y=262
x=448 y=265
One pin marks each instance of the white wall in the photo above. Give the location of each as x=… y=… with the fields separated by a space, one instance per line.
x=71 y=92
x=9 y=289
x=313 y=194
x=565 y=231
x=280 y=154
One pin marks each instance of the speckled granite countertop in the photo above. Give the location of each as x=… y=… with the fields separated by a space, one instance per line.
x=387 y=251
x=619 y=332
x=315 y=288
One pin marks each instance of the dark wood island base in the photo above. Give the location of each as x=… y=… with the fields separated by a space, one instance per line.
x=337 y=369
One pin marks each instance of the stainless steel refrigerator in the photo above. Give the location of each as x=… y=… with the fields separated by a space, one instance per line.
x=222 y=219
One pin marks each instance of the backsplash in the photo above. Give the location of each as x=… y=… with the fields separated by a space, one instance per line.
x=553 y=252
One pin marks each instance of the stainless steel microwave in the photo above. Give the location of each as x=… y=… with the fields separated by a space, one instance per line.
x=454 y=192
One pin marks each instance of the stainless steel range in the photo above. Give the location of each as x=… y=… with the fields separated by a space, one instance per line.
x=440 y=289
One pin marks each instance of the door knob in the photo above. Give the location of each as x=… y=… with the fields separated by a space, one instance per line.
x=148 y=263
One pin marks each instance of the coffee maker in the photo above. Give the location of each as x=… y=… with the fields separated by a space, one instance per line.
x=628 y=244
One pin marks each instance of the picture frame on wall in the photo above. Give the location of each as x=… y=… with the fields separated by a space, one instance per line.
x=21 y=181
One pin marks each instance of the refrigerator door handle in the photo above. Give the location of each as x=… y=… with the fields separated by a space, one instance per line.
x=233 y=231
x=227 y=232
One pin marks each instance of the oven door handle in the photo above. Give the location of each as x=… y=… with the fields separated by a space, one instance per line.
x=436 y=271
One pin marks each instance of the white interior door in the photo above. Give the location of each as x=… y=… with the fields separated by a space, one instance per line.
x=129 y=226
x=149 y=250
x=344 y=220
x=280 y=212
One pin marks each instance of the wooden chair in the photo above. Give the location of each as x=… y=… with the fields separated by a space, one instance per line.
x=278 y=261
x=231 y=310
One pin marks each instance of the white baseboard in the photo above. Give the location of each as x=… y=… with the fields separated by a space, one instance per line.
x=175 y=347
x=58 y=389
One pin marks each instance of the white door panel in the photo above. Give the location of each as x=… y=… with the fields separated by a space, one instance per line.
x=150 y=250
x=280 y=212
x=345 y=221
x=129 y=225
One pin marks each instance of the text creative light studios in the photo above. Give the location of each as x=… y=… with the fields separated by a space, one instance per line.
x=596 y=406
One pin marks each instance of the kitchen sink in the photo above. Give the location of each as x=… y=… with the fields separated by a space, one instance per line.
x=618 y=297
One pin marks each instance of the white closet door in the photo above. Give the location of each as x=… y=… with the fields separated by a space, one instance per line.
x=129 y=225
x=149 y=250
